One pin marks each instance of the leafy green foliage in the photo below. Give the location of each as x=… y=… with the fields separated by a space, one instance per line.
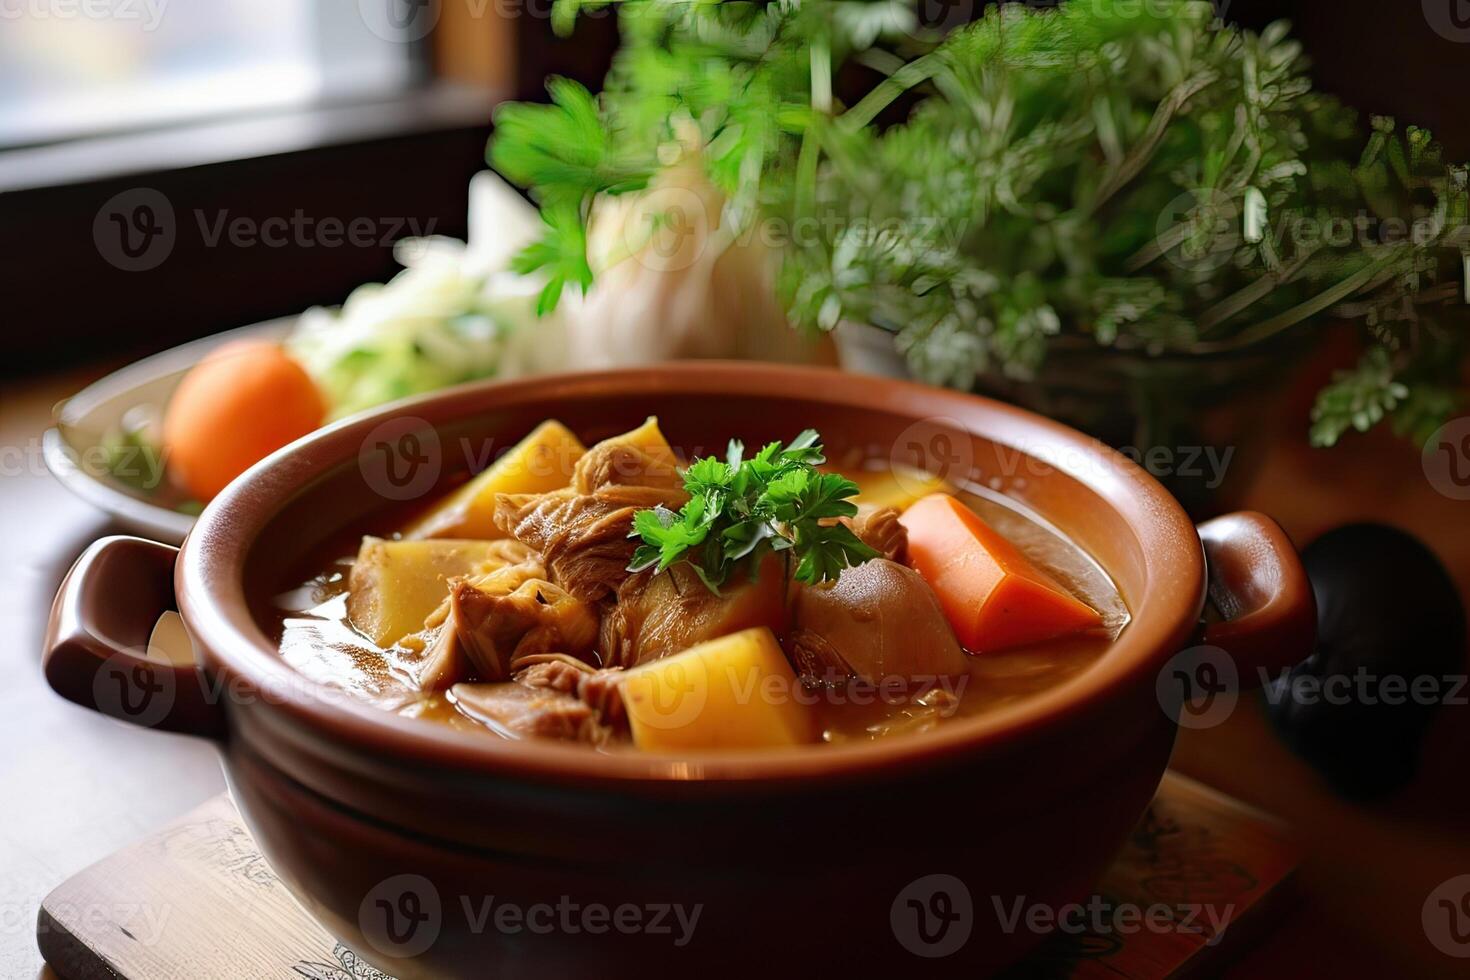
x=1125 y=178
x=561 y=150
x=740 y=510
x=1147 y=182
x=561 y=254
x=1357 y=399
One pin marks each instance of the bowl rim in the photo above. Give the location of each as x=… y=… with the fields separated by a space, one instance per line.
x=210 y=587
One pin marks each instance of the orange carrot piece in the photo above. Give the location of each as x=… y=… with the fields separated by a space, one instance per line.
x=993 y=596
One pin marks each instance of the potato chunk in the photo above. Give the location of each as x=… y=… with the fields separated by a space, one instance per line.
x=897 y=487
x=541 y=462
x=734 y=692
x=396 y=584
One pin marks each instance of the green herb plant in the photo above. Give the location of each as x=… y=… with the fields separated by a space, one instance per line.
x=1139 y=180
x=741 y=510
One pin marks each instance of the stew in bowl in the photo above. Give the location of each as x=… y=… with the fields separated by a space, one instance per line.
x=854 y=669
x=620 y=596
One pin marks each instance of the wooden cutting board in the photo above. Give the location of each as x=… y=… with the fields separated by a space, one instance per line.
x=173 y=906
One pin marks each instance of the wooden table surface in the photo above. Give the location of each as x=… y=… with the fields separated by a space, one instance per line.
x=78 y=786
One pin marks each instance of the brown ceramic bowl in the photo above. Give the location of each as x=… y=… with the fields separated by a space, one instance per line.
x=408 y=839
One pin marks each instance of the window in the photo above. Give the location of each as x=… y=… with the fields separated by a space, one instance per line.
x=73 y=68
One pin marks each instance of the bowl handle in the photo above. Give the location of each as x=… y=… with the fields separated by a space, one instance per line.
x=96 y=652
x=1258 y=584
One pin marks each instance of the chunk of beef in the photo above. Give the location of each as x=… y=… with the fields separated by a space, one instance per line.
x=595 y=687
x=879 y=529
x=583 y=537
x=582 y=531
x=620 y=462
x=659 y=614
x=505 y=552
x=433 y=657
x=878 y=620
x=536 y=712
x=494 y=626
x=493 y=635
x=559 y=697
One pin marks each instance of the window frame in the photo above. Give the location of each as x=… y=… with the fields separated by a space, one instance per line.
x=410 y=155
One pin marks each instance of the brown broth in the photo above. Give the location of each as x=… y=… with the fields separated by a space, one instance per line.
x=317 y=640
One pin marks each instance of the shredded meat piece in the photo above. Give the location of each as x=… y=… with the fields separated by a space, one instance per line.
x=434 y=657
x=499 y=632
x=602 y=690
x=879 y=529
x=878 y=620
x=582 y=531
x=582 y=536
x=617 y=463
x=539 y=712
x=660 y=614
x=595 y=687
x=504 y=551
x=559 y=697
x=492 y=628
x=557 y=673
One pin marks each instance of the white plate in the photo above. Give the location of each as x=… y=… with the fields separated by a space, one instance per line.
x=73 y=446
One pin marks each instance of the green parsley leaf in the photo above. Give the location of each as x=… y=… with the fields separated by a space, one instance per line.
x=561 y=253
x=824 y=550
x=668 y=535
x=740 y=510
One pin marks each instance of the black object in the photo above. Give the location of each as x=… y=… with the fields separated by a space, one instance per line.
x=1390 y=649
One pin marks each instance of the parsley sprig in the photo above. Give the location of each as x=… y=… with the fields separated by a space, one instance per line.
x=741 y=509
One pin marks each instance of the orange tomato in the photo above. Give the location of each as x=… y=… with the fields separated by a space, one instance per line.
x=244 y=401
